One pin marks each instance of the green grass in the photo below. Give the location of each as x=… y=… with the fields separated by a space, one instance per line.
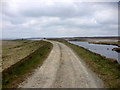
x=18 y=72
x=106 y=70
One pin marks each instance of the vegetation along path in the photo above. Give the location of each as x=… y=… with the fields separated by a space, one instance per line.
x=62 y=69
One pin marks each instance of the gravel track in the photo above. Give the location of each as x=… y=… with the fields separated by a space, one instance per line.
x=62 y=69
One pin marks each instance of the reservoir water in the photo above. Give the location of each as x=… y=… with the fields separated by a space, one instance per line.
x=104 y=50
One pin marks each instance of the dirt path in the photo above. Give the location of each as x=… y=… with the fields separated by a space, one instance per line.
x=62 y=69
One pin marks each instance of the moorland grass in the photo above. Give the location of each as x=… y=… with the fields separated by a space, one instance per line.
x=15 y=50
x=116 y=43
x=14 y=75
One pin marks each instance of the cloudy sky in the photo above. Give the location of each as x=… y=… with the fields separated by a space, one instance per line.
x=30 y=18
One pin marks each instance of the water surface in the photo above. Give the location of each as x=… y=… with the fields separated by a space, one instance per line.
x=104 y=50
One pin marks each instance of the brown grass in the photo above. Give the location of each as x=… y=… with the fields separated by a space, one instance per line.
x=15 y=50
x=106 y=42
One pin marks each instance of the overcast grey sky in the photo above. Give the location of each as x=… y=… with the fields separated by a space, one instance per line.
x=30 y=18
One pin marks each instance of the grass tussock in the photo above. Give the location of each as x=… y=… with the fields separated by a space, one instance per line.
x=106 y=70
x=19 y=71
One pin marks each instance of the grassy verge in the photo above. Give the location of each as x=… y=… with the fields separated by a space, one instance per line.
x=106 y=70
x=19 y=71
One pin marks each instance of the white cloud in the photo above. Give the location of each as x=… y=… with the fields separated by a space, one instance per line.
x=109 y=16
x=41 y=18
